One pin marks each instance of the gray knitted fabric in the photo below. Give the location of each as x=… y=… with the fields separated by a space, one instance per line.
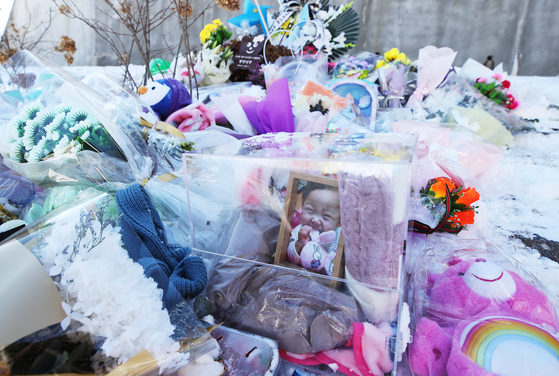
x=373 y=242
x=301 y=314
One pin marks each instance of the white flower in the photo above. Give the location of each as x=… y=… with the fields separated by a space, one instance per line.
x=339 y=41
x=315 y=99
x=105 y=293
x=322 y=15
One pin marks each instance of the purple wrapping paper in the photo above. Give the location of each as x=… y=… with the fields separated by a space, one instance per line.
x=274 y=112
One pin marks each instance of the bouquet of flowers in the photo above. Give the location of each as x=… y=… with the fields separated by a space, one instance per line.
x=214 y=34
x=213 y=60
x=497 y=90
x=59 y=131
x=333 y=29
x=39 y=133
x=107 y=309
x=393 y=56
x=392 y=78
x=352 y=67
x=458 y=202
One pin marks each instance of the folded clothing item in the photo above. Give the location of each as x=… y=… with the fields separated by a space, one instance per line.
x=300 y=313
x=373 y=242
x=141 y=220
x=366 y=352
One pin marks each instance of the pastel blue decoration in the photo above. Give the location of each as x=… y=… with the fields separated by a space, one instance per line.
x=13 y=97
x=304 y=16
x=363 y=96
x=250 y=14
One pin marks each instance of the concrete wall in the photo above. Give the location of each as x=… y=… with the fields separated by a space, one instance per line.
x=521 y=31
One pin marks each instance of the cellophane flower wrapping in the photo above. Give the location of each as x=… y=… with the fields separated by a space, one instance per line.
x=456 y=91
x=65 y=132
x=17 y=189
x=113 y=311
x=454 y=283
x=392 y=84
x=249 y=184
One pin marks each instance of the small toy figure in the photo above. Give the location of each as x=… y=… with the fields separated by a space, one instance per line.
x=165 y=96
x=160 y=68
x=313 y=255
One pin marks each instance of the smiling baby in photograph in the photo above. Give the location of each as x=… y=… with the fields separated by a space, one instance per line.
x=314 y=242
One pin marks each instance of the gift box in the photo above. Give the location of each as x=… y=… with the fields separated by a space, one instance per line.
x=304 y=242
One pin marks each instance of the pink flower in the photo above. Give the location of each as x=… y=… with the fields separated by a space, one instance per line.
x=497 y=76
x=513 y=105
x=482 y=80
x=195 y=117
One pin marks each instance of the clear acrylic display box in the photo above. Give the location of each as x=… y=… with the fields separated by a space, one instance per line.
x=304 y=235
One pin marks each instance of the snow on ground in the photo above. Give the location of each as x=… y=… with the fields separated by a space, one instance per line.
x=522 y=191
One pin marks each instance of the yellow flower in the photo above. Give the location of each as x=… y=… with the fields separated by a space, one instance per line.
x=380 y=63
x=402 y=58
x=391 y=55
x=217 y=22
x=204 y=35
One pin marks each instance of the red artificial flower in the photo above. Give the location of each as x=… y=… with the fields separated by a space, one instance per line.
x=439 y=187
x=462 y=218
x=506 y=84
x=467 y=196
x=510 y=97
x=513 y=105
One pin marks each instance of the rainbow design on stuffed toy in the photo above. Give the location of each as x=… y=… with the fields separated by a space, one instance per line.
x=509 y=346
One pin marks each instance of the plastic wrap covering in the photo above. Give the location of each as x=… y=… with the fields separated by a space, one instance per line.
x=476 y=311
x=78 y=303
x=64 y=132
x=456 y=91
x=17 y=189
x=247 y=354
x=307 y=252
x=387 y=147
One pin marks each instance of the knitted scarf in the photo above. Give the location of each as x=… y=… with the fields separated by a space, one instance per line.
x=186 y=273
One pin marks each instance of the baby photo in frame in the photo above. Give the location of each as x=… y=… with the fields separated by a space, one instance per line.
x=310 y=235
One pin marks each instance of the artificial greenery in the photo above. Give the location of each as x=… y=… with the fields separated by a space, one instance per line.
x=38 y=133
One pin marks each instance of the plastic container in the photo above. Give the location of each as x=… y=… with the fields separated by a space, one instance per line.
x=245 y=354
x=247 y=201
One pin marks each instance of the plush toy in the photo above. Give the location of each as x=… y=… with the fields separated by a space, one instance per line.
x=165 y=96
x=160 y=68
x=313 y=255
x=474 y=299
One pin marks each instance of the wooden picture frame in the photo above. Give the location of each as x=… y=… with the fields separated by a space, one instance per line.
x=286 y=225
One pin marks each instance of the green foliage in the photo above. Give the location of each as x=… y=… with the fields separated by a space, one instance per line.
x=38 y=133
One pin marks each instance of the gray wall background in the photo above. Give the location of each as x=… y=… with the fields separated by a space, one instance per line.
x=522 y=34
